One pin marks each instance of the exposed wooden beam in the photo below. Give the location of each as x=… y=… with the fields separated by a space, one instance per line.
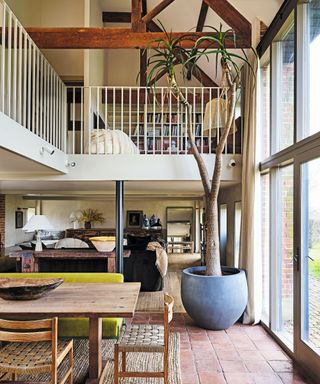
x=199 y=28
x=232 y=17
x=112 y=38
x=136 y=24
x=143 y=54
x=156 y=10
x=286 y=8
x=144 y=7
x=202 y=16
x=116 y=17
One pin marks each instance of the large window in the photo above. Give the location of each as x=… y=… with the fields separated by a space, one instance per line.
x=265 y=107
x=265 y=245
x=285 y=255
x=309 y=79
x=289 y=183
x=310 y=233
x=283 y=59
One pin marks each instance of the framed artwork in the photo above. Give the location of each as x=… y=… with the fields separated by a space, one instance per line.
x=19 y=219
x=134 y=219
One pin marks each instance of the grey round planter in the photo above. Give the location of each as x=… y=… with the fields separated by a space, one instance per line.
x=214 y=302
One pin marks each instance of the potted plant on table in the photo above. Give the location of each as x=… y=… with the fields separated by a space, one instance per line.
x=214 y=296
x=91 y=216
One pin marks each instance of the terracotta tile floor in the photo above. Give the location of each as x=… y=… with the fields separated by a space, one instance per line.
x=240 y=355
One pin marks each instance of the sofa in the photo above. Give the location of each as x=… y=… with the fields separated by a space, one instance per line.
x=7 y=264
x=79 y=327
x=141 y=265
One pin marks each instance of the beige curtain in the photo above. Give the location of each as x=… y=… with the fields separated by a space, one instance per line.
x=250 y=212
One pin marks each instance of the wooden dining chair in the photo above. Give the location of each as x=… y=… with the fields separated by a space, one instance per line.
x=32 y=347
x=145 y=338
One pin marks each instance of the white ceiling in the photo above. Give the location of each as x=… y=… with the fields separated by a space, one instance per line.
x=148 y=189
x=182 y=15
x=11 y=163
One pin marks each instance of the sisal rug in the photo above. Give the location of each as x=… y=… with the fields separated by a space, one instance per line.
x=135 y=361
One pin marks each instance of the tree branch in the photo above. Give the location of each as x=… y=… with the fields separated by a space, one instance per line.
x=201 y=165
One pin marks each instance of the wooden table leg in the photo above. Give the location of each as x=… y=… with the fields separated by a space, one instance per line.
x=95 y=355
x=111 y=264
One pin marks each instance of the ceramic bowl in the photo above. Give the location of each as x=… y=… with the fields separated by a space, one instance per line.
x=104 y=243
x=26 y=288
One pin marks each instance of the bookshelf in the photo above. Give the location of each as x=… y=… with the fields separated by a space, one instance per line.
x=157 y=124
x=164 y=132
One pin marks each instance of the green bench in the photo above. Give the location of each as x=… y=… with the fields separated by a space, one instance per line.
x=79 y=327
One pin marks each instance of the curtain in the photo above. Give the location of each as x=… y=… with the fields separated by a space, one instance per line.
x=250 y=223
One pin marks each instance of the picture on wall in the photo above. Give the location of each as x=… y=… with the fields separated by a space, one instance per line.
x=19 y=219
x=134 y=219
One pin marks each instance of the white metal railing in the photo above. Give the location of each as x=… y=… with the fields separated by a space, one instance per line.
x=153 y=120
x=31 y=92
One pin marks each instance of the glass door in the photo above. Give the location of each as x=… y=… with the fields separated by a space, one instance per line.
x=307 y=261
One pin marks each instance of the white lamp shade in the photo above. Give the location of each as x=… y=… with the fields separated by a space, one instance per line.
x=36 y=223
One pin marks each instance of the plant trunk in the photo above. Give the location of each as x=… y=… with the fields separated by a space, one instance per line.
x=212 y=257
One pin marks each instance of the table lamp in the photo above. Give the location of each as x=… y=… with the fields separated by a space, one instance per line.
x=37 y=223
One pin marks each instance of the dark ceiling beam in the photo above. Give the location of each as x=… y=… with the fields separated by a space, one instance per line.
x=156 y=10
x=202 y=16
x=144 y=7
x=116 y=17
x=113 y=38
x=232 y=17
x=136 y=24
x=200 y=24
x=143 y=54
x=286 y=8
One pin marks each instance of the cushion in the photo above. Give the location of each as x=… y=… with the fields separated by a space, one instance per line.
x=141 y=241
x=69 y=277
x=79 y=327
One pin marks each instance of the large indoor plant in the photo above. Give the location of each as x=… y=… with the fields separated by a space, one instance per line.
x=214 y=297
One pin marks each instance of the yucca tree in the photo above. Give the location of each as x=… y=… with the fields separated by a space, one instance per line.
x=165 y=57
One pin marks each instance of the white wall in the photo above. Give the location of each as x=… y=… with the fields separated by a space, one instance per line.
x=59 y=211
x=13 y=235
x=229 y=196
x=59 y=13
x=94 y=59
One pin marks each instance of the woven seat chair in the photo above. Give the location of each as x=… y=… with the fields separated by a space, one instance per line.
x=145 y=338
x=32 y=347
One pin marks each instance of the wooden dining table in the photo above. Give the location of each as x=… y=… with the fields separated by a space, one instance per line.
x=92 y=300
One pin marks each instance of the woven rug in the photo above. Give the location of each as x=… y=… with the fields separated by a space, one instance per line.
x=135 y=361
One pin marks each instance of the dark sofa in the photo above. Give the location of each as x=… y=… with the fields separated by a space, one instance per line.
x=141 y=265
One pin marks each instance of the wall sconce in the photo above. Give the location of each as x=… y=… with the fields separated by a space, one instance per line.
x=46 y=149
x=232 y=163
x=70 y=164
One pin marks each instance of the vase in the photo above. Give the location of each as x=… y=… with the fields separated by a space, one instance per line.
x=87 y=224
x=214 y=302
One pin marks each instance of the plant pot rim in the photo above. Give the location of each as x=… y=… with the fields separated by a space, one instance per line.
x=231 y=272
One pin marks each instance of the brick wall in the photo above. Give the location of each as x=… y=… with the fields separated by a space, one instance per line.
x=2 y=217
